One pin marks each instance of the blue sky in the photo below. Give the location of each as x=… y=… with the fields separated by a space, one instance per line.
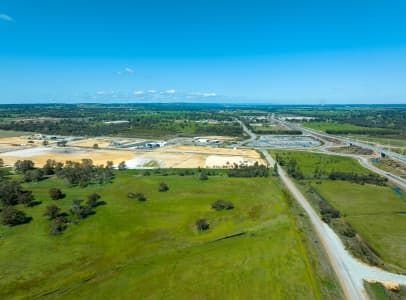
x=213 y=51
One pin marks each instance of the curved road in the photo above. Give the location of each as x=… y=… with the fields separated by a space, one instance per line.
x=350 y=271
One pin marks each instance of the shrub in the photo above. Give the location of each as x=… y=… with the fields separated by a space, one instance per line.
x=79 y=210
x=26 y=198
x=56 y=194
x=138 y=196
x=52 y=211
x=122 y=166
x=11 y=216
x=24 y=165
x=163 y=187
x=33 y=175
x=249 y=171
x=202 y=225
x=92 y=199
x=221 y=205
x=58 y=225
x=203 y=176
x=11 y=193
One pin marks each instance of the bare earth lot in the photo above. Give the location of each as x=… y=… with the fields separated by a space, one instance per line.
x=174 y=156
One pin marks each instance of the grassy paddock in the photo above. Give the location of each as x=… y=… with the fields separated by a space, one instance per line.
x=377 y=213
x=12 y=133
x=308 y=162
x=151 y=250
x=324 y=126
x=376 y=291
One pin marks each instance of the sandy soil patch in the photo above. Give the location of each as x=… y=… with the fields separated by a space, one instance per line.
x=40 y=155
x=225 y=161
x=19 y=140
x=91 y=142
x=166 y=157
x=218 y=137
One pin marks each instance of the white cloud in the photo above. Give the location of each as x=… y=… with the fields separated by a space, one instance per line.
x=6 y=18
x=100 y=93
x=209 y=94
x=129 y=70
x=170 y=91
x=138 y=93
x=152 y=91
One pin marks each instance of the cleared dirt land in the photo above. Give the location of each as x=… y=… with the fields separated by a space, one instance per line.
x=175 y=156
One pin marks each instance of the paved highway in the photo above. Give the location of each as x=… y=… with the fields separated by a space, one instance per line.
x=375 y=148
x=350 y=271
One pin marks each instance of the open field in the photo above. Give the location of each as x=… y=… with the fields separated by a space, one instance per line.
x=351 y=150
x=39 y=155
x=392 y=166
x=151 y=250
x=12 y=133
x=309 y=162
x=378 y=291
x=382 y=141
x=377 y=213
x=20 y=140
x=325 y=126
x=174 y=156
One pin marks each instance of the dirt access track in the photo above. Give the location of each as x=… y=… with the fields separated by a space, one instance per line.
x=174 y=156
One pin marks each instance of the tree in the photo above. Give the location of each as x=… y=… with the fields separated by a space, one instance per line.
x=58 y=225
x=33 y=175
x=11 y=216
x=275 y=170
x=1 y=163
x=11 y=193
x=222 y=204
x=24 y=165
x=26 y=198
x=92 y=199
x=56 y=194
x=49 y=167
x=122 y=166
x=203 y=176
x=202 y=225
x=163 y=187
x=52 y=211
x=79 y=210
x=139 y=196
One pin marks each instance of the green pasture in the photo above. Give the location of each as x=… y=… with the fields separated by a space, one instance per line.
x=377 y=213
x=309 y=162
x=152 y=250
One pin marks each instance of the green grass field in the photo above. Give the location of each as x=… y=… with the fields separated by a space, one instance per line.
x=323 y=126
x=152 y=250
x=308 y=162
x=382 y=141
x=376 y=291
x=11 y=133
x=377 y=213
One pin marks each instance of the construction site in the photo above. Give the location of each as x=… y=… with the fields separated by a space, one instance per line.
x=135 y=153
